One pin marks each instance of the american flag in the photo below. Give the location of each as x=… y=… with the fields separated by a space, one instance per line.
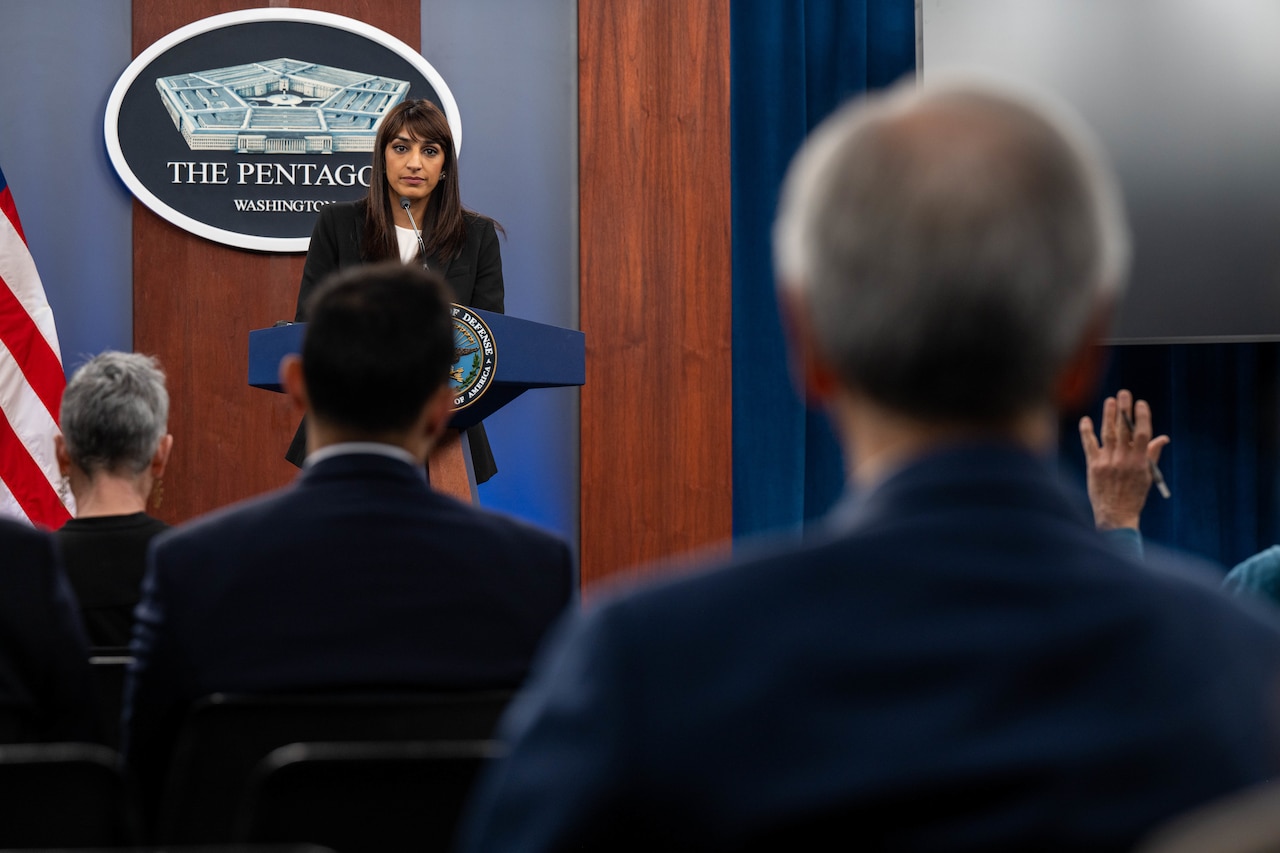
x=31 y=382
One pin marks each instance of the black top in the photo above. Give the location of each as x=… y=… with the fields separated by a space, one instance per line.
x=105 y=558
x=474 y=276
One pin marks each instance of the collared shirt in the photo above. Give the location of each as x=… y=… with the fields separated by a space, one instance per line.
x=344 y=448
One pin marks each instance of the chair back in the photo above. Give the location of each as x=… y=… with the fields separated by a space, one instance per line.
x=64 y=795
x=109 y=667
x=13 y=725
x=363 y=797
x=225 y=736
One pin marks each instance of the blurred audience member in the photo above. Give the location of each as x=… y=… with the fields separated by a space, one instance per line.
x=1119 y=475
x=955 y=660
x=113 y=450
x=46 y=692
x=1257 y=577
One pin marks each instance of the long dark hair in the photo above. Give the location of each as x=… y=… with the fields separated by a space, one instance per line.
x=443 y=228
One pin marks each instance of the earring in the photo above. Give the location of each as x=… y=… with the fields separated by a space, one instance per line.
x=444 y=175
x=157 y=493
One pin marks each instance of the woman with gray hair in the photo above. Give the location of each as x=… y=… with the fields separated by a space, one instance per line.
x=113 y=449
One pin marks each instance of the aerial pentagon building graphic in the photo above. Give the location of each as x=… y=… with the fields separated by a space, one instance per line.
x=282 y=106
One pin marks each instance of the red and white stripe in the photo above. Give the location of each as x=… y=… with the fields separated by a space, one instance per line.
x=31 y=382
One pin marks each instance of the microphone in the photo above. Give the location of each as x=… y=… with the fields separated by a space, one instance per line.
x=404 y=203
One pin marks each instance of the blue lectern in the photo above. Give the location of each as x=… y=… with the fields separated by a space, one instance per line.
x=498 y=359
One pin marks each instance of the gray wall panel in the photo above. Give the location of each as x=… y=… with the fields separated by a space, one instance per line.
x=58 y=61
x=513 y=70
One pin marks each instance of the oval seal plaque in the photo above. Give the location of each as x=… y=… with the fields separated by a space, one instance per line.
x=240 y=127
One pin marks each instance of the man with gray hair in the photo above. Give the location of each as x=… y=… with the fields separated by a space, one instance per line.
x=954 y=660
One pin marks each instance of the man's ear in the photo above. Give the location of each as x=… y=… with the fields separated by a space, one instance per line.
x=293 y=382
x=810 y=371
x=1078 y=380
x=437 y=411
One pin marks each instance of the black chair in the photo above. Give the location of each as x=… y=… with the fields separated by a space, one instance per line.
x=109 y=667
x=225 y=736
x=64 y=795
x=363 y=797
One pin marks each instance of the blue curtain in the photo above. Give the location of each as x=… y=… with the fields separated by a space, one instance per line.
x=793 y=62
x=1218 y=402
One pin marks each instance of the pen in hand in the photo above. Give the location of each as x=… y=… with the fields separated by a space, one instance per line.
x=1156 y=477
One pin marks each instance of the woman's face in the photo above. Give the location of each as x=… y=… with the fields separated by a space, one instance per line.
x=413 y=167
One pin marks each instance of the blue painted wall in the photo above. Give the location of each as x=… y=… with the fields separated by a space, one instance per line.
x=513 y=70
x=58 y=61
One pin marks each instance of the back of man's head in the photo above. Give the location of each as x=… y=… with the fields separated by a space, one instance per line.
x=951 y=245
x=378 y=345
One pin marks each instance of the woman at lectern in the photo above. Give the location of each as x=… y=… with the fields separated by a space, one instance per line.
x=413 y=211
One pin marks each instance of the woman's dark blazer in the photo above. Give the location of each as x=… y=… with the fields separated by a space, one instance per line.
x=474 y=276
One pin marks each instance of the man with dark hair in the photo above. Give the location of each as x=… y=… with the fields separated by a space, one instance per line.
x=46 y=689
x=368 y=369
x=358 y=575
x=955 y=660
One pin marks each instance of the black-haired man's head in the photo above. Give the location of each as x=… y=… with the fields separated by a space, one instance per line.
x=376 y=355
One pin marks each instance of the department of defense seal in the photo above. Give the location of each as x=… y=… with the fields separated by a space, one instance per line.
x=474 y=357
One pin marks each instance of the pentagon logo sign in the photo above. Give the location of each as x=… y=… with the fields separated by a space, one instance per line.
x=281 y=106
x=474 y=357
x=240 y=127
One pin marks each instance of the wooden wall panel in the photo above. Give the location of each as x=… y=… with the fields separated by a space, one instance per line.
x=656 y=272
x=195 y=302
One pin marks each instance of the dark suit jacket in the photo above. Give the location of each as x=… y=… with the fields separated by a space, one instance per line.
x=45 y=683
x=357 y=575
x=475 y=277
x=960 y=663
